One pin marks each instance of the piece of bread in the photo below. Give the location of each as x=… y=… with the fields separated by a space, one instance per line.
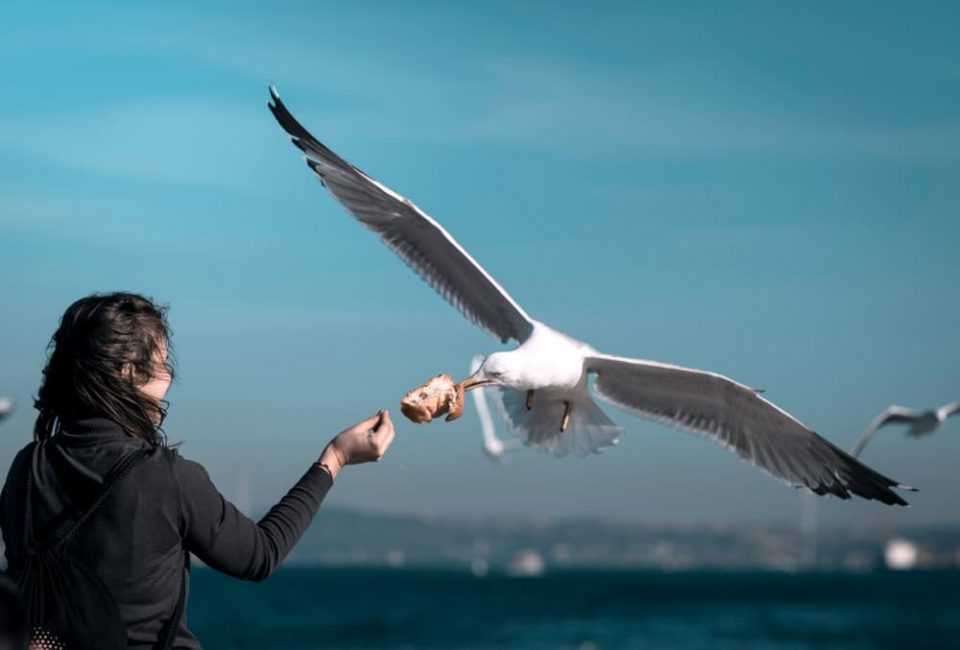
x=438 y=396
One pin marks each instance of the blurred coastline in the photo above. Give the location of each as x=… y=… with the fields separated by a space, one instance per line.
x=530 y=546
x=533 y=546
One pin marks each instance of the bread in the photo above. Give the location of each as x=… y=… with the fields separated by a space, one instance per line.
x=438 y=396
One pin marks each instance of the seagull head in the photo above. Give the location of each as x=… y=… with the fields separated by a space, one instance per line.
x=499 y=368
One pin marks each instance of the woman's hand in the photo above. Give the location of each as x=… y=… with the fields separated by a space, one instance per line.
x=362 y=443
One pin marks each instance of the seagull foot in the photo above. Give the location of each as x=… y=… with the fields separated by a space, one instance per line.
x=567 y=407
x=529 y=399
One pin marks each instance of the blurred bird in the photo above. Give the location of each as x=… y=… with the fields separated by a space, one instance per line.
x=542 y=385
x=921 y=423
x=493 y=447
x=6 y=407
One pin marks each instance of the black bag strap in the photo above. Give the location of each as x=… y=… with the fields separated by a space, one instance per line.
x=170 y=632
x=118 y=473
x=28 y=499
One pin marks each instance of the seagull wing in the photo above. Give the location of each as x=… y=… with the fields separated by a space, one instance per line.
x=6 y=407
x=891 y=415
x=738 y=418
x=418 y=240
x=947 y=410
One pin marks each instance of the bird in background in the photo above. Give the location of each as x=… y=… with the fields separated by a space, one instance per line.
x=494 y=448
x=6 y=407
x=921 y=423
x=541 y=386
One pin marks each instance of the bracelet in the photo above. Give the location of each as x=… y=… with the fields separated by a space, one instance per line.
x=325 y=468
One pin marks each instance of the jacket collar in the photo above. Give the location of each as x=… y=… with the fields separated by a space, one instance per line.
x=91 y=431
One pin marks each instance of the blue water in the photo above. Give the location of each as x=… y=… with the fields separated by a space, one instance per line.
x=361 y=608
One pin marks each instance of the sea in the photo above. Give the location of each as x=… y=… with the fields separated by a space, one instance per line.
x=300 y=608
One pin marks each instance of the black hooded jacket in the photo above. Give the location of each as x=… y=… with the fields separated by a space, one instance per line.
x=135 y=541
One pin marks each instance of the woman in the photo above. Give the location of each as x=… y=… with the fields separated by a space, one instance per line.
x=102 y=400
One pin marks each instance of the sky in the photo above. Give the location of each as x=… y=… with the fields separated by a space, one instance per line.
x=764 y=190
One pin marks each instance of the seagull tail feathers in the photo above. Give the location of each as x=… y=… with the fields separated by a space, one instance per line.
x=589 y=431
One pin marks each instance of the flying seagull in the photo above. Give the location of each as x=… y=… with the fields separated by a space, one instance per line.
x=921 y=422
x=6 y=407
x=542 y=385
x=495 y=448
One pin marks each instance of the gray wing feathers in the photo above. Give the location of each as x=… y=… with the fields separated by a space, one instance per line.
x=949 y=409
x=417 y=239
x=738 y=418
x=891 y=415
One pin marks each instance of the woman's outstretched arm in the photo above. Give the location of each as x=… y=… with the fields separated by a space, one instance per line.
x=227 y=540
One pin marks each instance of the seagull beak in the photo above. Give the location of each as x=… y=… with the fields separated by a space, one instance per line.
x=476 y=380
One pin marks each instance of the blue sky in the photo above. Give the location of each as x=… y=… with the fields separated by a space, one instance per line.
x=766 y=190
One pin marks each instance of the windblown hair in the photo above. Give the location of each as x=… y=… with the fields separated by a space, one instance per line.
x=105 y=349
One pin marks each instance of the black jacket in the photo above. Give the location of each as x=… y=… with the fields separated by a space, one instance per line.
x=135 y=542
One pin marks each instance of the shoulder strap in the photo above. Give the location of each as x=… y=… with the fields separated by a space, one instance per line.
x=118 y=473
x=170 y=632
x=27 y=497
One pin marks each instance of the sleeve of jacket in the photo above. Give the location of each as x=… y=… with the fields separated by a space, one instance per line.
x=11 y=505
x=227 y=540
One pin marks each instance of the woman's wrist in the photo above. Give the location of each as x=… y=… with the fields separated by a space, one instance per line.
x=330 y=461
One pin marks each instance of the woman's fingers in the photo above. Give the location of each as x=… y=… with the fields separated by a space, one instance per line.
x=370 y=424
x=383 y=434
x=365 y=441
x=385 y=426
x=386 y=442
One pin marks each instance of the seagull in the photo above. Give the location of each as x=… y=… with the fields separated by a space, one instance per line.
x=543 y=385
x=921 y=422
x=6 y=407
x=495 y=448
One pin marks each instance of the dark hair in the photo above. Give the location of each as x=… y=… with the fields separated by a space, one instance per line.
x=104 y=349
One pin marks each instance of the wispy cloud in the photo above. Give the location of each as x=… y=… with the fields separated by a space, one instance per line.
x=566 y=106
x=561 y=104
x=178 y=141
x=579 y=109
x=17 y=209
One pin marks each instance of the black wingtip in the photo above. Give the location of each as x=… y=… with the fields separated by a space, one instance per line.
x=300 y=137
x=285 y=118
x=298 y=144
x=866 y=482
x=274 y=101
x=303 y=139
